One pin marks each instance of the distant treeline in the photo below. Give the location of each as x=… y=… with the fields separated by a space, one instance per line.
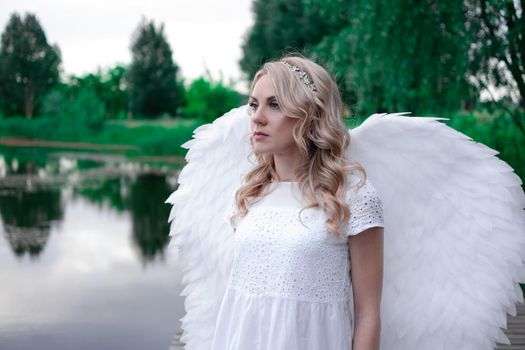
x=431 y=57
x=151 y=86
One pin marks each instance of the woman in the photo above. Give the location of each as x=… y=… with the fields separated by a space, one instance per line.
x=298 y=262
x=290 y=284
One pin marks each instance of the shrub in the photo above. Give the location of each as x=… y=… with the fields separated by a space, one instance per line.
x=496 y=130
x=80 y=113
x=208 y=99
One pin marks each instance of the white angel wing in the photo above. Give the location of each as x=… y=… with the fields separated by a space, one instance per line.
x=216 y=160
x=454 y=233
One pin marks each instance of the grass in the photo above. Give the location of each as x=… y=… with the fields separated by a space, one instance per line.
x=143 y=138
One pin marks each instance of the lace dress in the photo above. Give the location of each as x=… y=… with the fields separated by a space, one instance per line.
x=289 y=286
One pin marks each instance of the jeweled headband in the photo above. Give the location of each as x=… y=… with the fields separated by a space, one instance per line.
x=302 y=75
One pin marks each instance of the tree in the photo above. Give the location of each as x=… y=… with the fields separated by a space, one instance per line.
x=115 y=92
x=386 y=55
x=152 y=76
x=289 y=25
x=28 y=65
x=497 y=51
x=209 y=99
x=79 y=107
x=109 y=86
x=275 y=29
x=404 y=56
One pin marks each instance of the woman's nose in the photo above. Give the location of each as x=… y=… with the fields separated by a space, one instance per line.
x=258 y=116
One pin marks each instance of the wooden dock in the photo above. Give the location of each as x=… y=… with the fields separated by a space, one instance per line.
x=176 y=344
x=515 y=331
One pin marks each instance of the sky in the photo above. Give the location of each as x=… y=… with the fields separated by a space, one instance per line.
x=203 y=34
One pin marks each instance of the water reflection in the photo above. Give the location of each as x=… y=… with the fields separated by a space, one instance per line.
x=30 y=199
x=110 y=193
x=83 y=253
x=150 y=227
x=143 y=197
x=27 y=218
x=26 y=163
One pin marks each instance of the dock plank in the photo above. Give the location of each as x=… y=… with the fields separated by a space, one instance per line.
x=515 y=330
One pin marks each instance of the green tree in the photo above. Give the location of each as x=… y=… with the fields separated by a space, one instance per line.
x=79 y=107
x=405 y=56
x=386 y=55
x=28 y=65
x=115 y=92
x=152 y=76
x=283 y=25
x=275 y=30
x=497 y=52
x=209 y=99
x=108 y=85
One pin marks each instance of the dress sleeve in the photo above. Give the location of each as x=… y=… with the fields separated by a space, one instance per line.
x=366 y=210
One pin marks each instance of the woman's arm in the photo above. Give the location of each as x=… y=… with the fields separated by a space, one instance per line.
x=366 y=252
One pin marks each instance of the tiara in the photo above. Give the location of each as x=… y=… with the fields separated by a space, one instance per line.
x=302 y=75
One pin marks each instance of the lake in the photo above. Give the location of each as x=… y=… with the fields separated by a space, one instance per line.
x=84 y=257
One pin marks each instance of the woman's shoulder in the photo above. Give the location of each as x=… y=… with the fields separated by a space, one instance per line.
x=359 y=186
x=366 y=206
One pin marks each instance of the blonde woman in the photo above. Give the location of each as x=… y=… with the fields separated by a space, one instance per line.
x=290 y=283
x=298 y=262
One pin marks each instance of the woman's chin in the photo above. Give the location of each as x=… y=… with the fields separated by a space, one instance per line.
x=261 y=150
x=259 y=153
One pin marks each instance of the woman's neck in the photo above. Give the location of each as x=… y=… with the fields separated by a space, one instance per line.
x=286 y=164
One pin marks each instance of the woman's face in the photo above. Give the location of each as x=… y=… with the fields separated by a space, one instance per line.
x=267 y=117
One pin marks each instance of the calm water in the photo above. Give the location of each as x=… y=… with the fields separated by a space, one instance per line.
x=84 y=262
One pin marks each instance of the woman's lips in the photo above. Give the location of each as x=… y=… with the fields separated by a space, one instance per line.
x=259 y=135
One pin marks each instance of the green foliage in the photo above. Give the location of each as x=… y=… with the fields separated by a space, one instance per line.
x=86 y=109
x=53 y=103
x=77 y=110
x=497 y=55
x=43 y=128
x=108 y=86
x=162 y=142
x=154 y=140
x=151 y=139
x=388 y=55
x=496 y=130
x=19 y=126
x=114 y=94
x=28 y=65
x=275 y=29
x=413 y=61
x=152 y=76
x=209 y=99
x=282 y=26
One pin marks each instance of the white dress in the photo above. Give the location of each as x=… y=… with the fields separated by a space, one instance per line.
x=289 y=287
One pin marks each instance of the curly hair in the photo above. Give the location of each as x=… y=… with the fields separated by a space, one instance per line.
x=320 y=134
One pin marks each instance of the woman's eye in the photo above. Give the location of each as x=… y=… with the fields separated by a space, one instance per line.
x=252 y=105
x=274 y=105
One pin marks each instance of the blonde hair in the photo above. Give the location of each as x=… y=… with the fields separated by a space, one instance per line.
x=320 y=134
